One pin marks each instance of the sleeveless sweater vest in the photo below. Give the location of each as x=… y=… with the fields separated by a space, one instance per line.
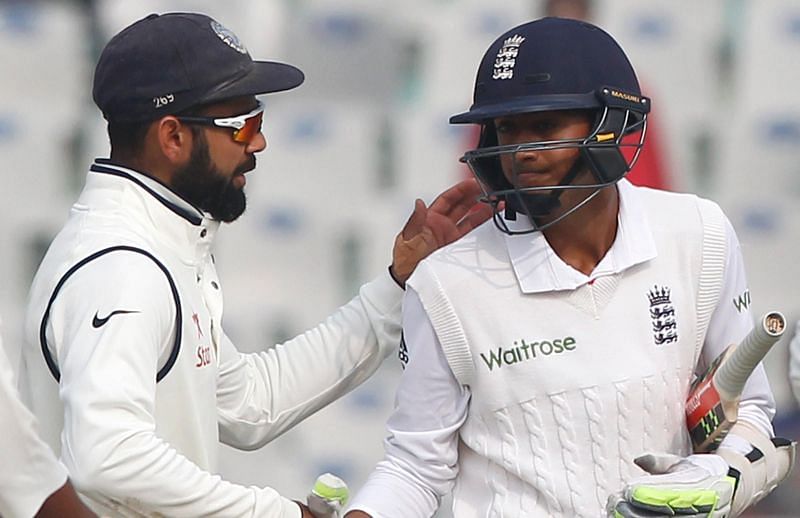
x=568 y=387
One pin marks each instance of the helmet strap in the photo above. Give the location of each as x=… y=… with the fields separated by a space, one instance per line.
x=536 y=205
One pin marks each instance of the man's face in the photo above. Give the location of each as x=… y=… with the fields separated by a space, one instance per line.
x=213 y=179
x=539 y=168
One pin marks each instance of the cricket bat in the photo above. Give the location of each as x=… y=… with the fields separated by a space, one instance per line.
x=713 y=403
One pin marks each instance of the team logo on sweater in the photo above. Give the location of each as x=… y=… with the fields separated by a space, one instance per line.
x=662 y=314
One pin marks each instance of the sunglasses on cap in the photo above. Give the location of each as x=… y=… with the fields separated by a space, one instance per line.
x=245 y=127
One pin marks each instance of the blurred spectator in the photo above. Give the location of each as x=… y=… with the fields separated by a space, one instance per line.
x=575 y=9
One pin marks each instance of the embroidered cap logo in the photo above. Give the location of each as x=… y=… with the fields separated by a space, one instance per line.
x=228 y=37
x=507 y=58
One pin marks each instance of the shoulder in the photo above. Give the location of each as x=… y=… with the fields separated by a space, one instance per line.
x=676 y=212
x=482 y=237
x=648 y=195
x=112 y=277
x=119 y=270
x=480 y=251
x=670 y=199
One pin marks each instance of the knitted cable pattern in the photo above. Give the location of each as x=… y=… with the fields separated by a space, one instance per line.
x=595 y=413
x=674 y=407
x=652 y=413
x=538 y=444
x=626 y=453
x=569 y=450
x=509 y=450
x=487 y=449
x=497 y=481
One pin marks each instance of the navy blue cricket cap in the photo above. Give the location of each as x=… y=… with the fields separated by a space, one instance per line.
x=164 y=64
x=549 y=64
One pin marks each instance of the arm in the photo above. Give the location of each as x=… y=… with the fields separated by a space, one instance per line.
x=794 y=363
x=758 y=462
x=111 y=446
x=735 y=477
x=421 y=461
x=64 y=503
x=262 y=395
x=30 y=476
x=730 y=322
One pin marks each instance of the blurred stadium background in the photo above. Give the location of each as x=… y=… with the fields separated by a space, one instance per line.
x=367 y=133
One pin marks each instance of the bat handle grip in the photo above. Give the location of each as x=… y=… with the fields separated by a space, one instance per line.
x=733 y=373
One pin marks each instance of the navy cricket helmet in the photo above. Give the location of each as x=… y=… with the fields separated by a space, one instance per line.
x=555 y=64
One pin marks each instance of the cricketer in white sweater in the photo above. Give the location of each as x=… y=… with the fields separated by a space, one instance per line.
x=529 y=387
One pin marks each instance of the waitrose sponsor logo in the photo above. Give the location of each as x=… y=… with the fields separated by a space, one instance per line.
x=523 y=351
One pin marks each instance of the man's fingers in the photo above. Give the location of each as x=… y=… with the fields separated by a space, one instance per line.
x=416 y=221
x=475 y=217
x=458 y=198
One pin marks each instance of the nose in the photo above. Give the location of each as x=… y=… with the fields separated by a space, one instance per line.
x=258 y=144
x=526 y=155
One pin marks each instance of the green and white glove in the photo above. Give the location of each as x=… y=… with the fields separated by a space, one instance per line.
x=694 y=486
x=328 y=497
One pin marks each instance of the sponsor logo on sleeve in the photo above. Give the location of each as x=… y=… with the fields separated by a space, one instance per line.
x=742 y=302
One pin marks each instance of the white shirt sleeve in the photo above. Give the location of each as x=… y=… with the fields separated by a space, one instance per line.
x=108 y=388
x=29 y=471
x=730 y=323
x=794 y=363
x=420 y=464
x=261 y=395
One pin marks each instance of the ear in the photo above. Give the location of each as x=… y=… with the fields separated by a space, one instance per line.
x=175 y=140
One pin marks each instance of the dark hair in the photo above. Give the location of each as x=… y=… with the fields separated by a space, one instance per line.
x=127 y=138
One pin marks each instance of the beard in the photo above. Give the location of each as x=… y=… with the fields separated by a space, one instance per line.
x=205 y=187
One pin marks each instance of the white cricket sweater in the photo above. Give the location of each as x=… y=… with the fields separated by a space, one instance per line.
x=568 y=387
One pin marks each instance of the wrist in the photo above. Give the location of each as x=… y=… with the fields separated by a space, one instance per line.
x=304 y=511
x=395 y=278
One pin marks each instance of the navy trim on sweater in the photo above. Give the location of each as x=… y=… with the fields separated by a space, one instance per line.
x=107 y=167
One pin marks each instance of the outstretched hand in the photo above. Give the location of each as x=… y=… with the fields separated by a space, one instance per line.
x=452 y=214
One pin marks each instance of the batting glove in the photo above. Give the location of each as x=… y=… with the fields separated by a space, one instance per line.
x=328 y=497
x=694 y=486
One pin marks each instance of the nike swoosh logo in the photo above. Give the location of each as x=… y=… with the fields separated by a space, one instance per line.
x=100 y=322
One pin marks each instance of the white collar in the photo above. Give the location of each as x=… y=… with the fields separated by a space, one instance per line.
x=540 y=269
x=157 y=189
x=181 y=226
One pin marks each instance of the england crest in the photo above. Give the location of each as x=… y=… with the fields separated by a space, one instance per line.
x=662 y=315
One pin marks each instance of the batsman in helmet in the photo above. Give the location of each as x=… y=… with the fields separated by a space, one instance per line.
x=548 y=353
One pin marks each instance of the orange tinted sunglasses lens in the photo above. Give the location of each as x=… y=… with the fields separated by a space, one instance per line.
x=251 y=128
